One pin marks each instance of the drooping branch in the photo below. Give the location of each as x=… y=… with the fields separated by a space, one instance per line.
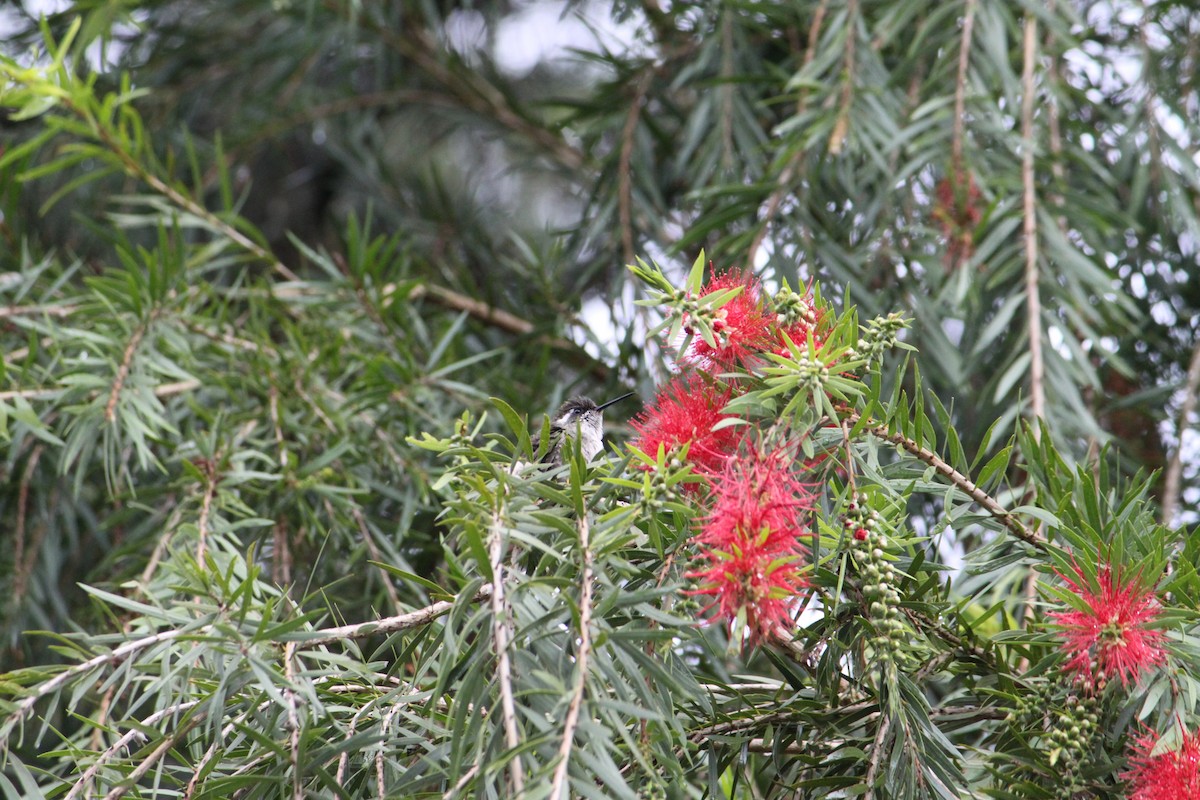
x=114 y=656
x=962 y=482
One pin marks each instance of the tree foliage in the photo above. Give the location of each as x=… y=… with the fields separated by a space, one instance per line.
x=287 y=288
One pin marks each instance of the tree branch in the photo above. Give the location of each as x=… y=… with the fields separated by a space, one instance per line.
x=1172 y=486
x=885 y=722
x=400 y=622
x=111 y=657
x=960 y=94
x=625 y=172
x=989 y=503
x=501 y=631
x=131 y=736
x=148 y=763
x=559 y=784
x=1033 y=299
x=1037 y=389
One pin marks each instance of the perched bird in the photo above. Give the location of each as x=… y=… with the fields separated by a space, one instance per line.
x=581 y=417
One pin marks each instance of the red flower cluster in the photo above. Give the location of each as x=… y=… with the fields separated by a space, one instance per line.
x=1172 y=775
x=744 y=327
x=685 y=411
x=1114 y=636
x=740 y=327
x=752 y=539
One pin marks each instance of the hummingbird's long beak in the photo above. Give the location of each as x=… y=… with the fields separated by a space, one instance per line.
x=616 y=400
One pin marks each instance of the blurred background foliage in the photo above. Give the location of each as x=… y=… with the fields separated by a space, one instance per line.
x=519 y=154
x=435 y=203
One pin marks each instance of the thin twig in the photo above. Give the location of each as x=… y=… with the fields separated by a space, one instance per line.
x=400 y=622
x=289 y=672
x=1174 y=475
x=65 y=310
x=273 y=410
x=799 y=747
x=194 y=783
x=960 y=92
x=149 y=761
x=281 y=554
x=496 y=317
x=559 y=784
x=163 y=541
x=126 y=364
x=1037 y=389
x=131 y=736
x=344 y=758
x=22 y=563
x=210 y=490
x=111 y=657
x=380 y=785
x=501 y=631
x=726 y=89
x=885 y=722
x=31 y=394
x=625 y=169
x=841 y=125
x=463 y=781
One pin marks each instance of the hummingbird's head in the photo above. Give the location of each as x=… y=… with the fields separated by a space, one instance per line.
x=582 y=411
x=582 y=415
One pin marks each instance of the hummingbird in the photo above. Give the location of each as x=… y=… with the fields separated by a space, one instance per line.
x=578 y=416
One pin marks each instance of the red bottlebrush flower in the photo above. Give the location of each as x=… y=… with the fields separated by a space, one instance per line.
x=1171 y=775
x=753 y=583
x=753 y=538
x=685 y=411
x=741 y=328
x=755 y=494
x=1114 y=636
x=957 y=212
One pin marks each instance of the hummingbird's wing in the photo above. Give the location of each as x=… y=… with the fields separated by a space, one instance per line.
x=552 y=450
